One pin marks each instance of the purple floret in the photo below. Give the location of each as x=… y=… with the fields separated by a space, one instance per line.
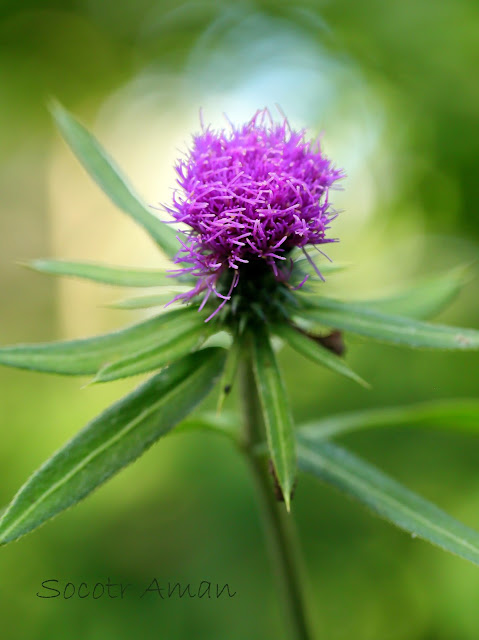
x=250 y=193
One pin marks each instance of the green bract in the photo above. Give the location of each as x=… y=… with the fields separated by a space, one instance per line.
x=175 y=344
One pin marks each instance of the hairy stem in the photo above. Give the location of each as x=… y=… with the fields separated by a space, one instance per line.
x=277 y=523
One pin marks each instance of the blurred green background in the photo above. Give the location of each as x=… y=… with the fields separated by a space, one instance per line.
x=393 y=87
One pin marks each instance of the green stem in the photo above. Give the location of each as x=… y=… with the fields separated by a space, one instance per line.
x=277 y=523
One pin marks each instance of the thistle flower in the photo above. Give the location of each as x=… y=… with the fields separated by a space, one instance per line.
x=249 y=195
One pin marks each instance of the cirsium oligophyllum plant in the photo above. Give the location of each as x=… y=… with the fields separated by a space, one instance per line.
x=253 y=204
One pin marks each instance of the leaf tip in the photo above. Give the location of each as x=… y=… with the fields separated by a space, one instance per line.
x=90 y=383
x=55 y=108
x=364 y=383
x=37 y=264
x=25 y=264
x=287 y=501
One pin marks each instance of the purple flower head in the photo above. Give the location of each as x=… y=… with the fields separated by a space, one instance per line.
x=250 y=194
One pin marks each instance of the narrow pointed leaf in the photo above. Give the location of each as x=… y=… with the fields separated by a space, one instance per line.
x=109 y=178
x=302 y=267
x=156 y=357
x=276 y=412
x=225 y=423
x=386 y=497
x=111 y=441
x=310 y=349
x=146 y=302
x=424 y=299
x=118 y=276
x=88 y=355
x=382 y=327
x=230 y=371
x=443 y=414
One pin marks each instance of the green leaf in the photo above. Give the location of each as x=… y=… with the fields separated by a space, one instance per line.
x=310 y=349
x=87 y=356
x=302 y=267
x=108 y=177
x=382 y=327
x=305 y=266
x=424 y=299
x=230 y=370
x=225 y=424
x=156 y=357
x=443 y=414
x=146 y=302
x=111 y=441
x=386 y=497
x=276 y=412
x=118 y=276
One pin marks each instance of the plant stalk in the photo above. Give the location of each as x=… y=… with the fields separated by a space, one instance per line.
x=277 y=522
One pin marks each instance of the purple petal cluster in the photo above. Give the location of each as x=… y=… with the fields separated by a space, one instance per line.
x=250 y=193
